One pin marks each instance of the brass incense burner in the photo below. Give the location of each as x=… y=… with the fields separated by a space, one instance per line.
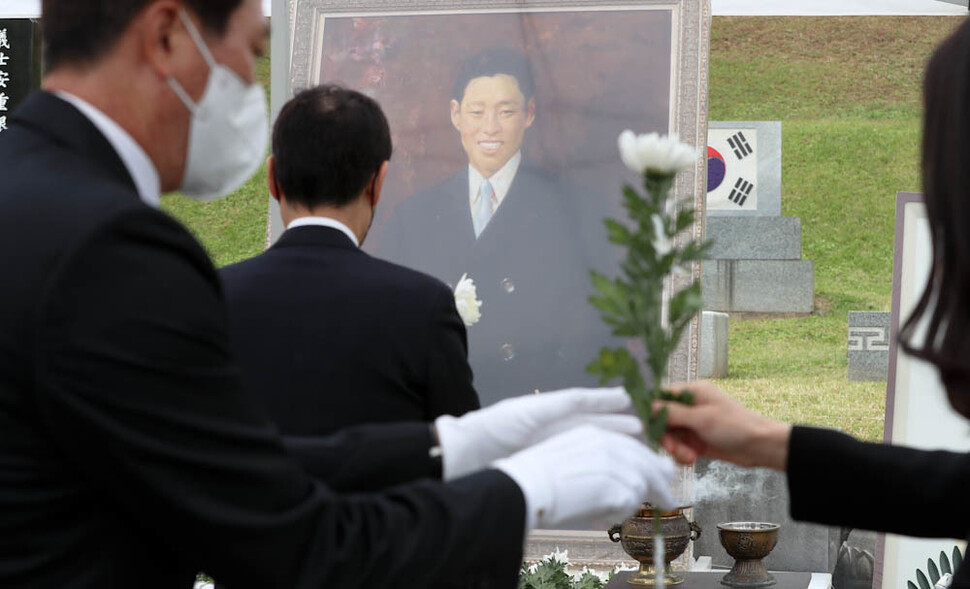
x=748 y=543
x=636 y=536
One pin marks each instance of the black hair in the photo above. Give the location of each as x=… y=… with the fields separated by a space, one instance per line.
x=945 y=303
x=81 y=31
x=328 y=142
x=491 y=63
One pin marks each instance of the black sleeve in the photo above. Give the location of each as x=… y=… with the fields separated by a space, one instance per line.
x=450 y=389
x=369 y=457
x=834 y=479
x=138 y=389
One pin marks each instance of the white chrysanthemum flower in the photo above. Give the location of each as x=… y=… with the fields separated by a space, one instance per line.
x=655 y=154
x=601 y=575
x=466 y=300
x=561 y=556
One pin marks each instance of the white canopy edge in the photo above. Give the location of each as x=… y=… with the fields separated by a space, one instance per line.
x=837 y=7
x=31 y=8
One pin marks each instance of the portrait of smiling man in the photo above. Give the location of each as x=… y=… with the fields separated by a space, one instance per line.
x=508 y=226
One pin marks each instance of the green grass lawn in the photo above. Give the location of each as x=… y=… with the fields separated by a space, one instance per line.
x=847 y=91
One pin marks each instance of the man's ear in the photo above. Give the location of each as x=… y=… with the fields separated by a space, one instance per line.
x=274 y=188
x=455 y=114
x=530 y=112
x=378 y=185
x=163 y=38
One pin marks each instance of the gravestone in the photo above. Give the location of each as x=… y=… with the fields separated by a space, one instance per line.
x=19 y=64
x=744 y=169
x=868 y=347
x=713 y=361
x=755 y=263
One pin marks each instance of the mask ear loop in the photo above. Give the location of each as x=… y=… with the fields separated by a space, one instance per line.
x=206 y=56
x=197 y=37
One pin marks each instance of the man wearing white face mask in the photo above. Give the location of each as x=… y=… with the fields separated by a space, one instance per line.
x=130 y=455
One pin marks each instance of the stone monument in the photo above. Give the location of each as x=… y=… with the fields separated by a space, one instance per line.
x=868 y=347
x=755 y=264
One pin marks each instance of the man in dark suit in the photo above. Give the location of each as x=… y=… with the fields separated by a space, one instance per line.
x=510 y=228
x=326 y=335
x=130 y=455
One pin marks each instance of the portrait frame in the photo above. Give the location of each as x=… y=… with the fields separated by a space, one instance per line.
x=917 y=411
x=688 y=104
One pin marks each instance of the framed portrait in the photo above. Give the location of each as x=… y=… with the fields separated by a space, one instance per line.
x=504 y=118
x=917 y=411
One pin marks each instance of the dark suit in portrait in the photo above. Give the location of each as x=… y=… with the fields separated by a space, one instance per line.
x=328 y=336
x=131 y=457
x=537 y=330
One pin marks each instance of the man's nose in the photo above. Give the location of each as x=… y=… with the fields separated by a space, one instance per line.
x=492 y=123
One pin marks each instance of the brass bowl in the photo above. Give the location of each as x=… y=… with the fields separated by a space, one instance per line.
x=748 y=543
x=636 y=536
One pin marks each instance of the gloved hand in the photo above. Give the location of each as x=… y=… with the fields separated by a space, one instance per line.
x=588 y=472
x=475 y=440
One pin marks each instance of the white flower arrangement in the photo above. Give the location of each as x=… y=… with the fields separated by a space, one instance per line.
x=466 y=300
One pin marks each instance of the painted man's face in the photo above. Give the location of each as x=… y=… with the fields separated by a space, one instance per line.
x=492 y=119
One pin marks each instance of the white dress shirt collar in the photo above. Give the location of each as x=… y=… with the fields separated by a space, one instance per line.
x=136 y=161
x=501 y=180
x=324 y=222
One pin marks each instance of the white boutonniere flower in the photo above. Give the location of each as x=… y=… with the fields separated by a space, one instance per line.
x=466 y=300
x=655 y=154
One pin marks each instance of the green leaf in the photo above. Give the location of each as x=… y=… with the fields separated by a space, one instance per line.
x=921 y=579
x=934 y=572
x=686 y=303
x=606 y=366
x=684 y=397
x=657 y=427
x=945 y=564
x=588 y=581
x=685 y=218
x=618 y=233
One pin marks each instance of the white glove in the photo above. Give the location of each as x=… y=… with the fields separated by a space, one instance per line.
x=588 y=472
x=475 y=440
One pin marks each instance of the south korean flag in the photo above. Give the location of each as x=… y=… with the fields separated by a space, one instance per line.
x=732 y=169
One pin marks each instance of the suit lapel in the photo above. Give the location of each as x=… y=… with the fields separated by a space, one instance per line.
x=65 y=125
x=461 y=211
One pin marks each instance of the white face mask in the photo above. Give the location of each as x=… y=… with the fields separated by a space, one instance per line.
x=229 y=130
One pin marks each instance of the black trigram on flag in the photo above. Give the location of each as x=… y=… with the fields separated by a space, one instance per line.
x=741 y=191
x=740 y=145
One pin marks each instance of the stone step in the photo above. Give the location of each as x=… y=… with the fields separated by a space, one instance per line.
x=759 y=286
x=755 y=238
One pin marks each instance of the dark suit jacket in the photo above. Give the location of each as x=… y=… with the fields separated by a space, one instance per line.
x=327 y=336
x=836 y=480
x=537 y=331
x=129 y=456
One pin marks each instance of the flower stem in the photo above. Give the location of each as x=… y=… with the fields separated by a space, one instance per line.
x=658 y=551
